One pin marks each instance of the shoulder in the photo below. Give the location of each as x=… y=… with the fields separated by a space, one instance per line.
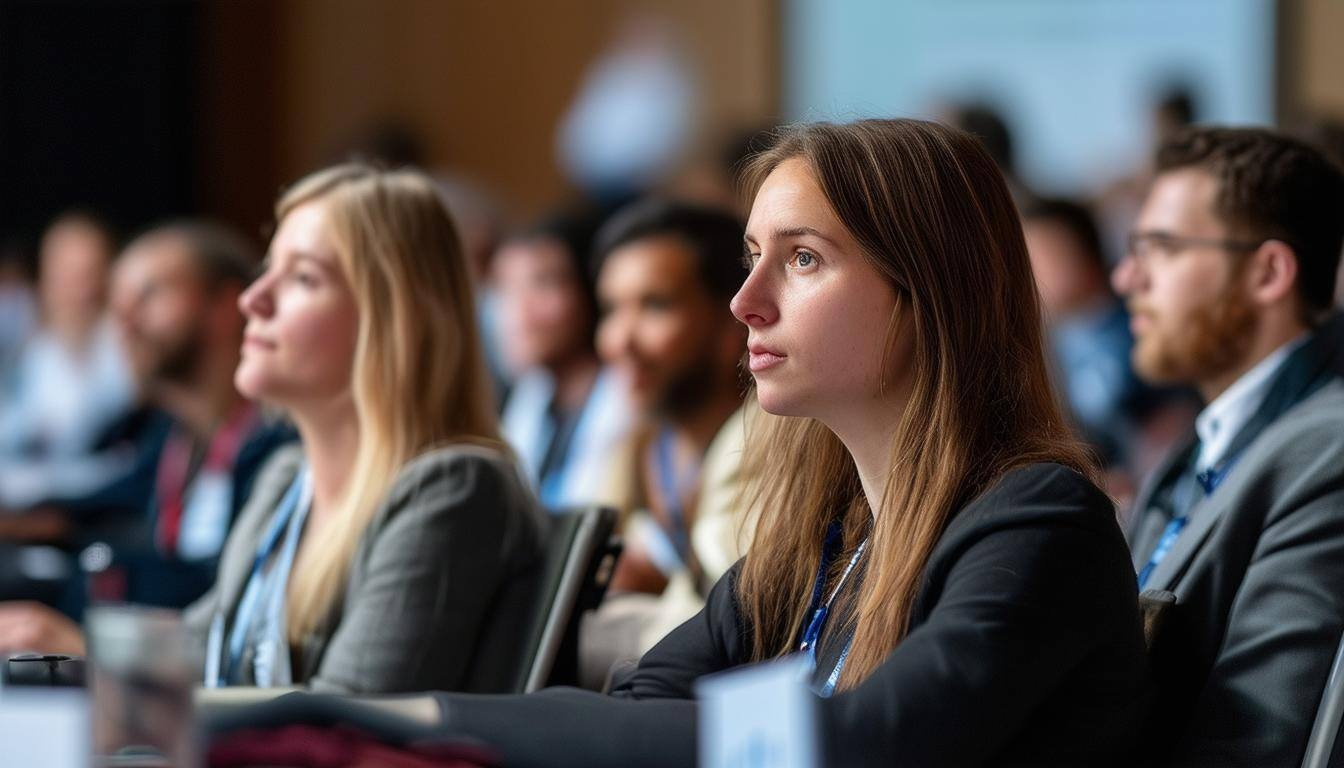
x=1037 y=494
x=1041 y=532
x=459 y=479
x=1296 y=458
x=1318 y=420
x=1034 y=509
x=273 y=478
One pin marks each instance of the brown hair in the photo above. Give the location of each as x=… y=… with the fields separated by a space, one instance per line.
x=1271 y=186
x=931 y=213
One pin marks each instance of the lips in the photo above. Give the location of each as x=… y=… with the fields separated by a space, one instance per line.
x=761 y=357
x=257 y=342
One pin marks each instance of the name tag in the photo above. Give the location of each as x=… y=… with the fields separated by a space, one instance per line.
x=763 y=716
x=205 y=516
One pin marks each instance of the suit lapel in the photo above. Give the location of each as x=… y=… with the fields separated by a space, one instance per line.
x=1204 y=516
x=1148 y=519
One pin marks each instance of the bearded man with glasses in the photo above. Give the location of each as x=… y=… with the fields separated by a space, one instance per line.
x=1229 y=278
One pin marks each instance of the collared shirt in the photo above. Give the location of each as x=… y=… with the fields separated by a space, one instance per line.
x=1220 y=421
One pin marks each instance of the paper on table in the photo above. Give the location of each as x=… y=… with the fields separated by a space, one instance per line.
x=762 y=716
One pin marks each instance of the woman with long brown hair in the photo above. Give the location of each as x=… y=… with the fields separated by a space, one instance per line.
x=931 y=536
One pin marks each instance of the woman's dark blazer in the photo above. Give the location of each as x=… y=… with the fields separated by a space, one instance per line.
x=1025 y=648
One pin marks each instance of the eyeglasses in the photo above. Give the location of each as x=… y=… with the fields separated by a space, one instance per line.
x=1141 y=246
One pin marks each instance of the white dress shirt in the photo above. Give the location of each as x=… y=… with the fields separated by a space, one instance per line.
x=1220 y=421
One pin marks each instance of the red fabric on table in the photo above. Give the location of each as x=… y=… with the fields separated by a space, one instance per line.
x=318 y=747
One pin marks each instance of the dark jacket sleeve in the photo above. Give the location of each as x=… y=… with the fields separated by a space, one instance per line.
x=649 y=720
x=426 y=579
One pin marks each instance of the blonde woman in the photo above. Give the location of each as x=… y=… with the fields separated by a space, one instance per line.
x=393 y=550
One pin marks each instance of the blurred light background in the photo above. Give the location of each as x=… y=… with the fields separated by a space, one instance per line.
x=145 y=109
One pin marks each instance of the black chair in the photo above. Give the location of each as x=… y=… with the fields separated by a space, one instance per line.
x=1321 y=752
x=579 y=560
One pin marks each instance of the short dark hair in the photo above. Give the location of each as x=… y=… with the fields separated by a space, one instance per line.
x=1077 y=220
x=713 y=235
x=220 y=255
x=1273 y=187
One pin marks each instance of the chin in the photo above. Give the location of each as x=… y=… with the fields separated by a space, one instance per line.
x=778 y=403
x=249 y=383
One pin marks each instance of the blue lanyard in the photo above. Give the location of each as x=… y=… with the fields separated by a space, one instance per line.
x=1208 y=481
x=289 y=517
x=821 y=610
x=671 y=487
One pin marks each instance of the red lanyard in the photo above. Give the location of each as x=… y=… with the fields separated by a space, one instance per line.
x=178 y=467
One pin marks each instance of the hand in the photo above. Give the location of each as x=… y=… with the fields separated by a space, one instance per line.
x=28 y=626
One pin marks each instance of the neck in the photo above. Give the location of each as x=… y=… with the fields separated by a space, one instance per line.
x=868 y=431
x=574 y=379
x=206 y=398
x=1270 y=334
x=330 y=435
x=695 y=429
x=74 y=330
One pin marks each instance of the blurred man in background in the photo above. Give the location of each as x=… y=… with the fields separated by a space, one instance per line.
x=1229 y=277
x=667 y=272
x=175 y=298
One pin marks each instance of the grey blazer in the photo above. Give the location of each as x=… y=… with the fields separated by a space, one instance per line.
x=1258 y=573
x=440 y=585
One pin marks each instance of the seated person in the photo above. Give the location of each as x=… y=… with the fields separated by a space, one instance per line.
x=930 y=535
x=396 y=548
x=665 y=273
x=174 y=300
x=565 y=414
x=1088 y=326
x=70 y=383
x=1229 y=278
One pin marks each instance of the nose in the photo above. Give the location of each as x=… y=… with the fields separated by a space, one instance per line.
x=615 y=336
x=258 y=300
x=754 y=304
x=1125 y=276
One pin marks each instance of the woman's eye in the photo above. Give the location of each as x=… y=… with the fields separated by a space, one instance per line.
x=804 y=259
x=304 y=279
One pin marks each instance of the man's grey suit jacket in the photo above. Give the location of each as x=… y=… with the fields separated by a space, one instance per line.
x=1258 y=572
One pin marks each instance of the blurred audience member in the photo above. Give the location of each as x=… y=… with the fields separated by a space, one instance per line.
x=713 y=179
x=666 y=272
x=1229 y=277
x=1088 y=326
x=984 y=122
x=565 y=413
x=394 y=551
x=480 y=225
x=175 y=299
x=18 y=306
x=71 y=382
x=635 y=114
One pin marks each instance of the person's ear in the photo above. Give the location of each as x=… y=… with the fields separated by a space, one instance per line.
x=1271 y=276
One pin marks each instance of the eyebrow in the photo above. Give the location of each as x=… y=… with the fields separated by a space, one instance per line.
x=792 y=232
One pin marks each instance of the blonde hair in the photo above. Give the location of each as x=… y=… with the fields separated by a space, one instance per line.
x=419 y=376
x=933 y=215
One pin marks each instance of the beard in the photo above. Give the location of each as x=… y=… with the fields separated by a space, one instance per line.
x=1211 y=341
x=689 y=389
x=179 y=358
